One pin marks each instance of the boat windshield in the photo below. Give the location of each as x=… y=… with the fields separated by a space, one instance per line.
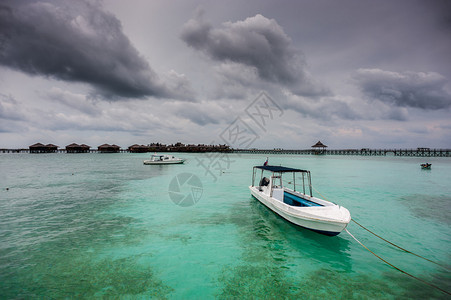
x=276 y=175
x=156 y=157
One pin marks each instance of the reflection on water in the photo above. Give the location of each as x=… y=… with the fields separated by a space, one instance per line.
x=320 y=247
x=272 y=251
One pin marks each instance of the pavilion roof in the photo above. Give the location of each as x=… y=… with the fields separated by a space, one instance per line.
x=319 y=144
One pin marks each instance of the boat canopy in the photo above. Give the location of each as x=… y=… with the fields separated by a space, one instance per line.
x=280 y=169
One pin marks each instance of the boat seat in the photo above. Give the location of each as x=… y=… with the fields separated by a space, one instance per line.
x=278 y=194
x=297 y=201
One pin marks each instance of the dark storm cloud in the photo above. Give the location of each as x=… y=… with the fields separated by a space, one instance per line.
x=407 y=89
x=256 y=42
x=75 y=41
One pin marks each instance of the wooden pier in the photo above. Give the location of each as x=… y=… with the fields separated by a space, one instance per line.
x=4 y=150
x=419 y=152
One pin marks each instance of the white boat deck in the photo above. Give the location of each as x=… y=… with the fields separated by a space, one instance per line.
x=298 y=208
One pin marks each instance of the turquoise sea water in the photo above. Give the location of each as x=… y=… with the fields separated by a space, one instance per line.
x=104 y=225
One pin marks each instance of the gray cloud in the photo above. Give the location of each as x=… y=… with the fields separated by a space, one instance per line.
x=78 y=102
x=331 y=109
x=202 y=113
x=256 y=42
x=406 y=89
x=236 y=81
x=179 y=85
x=75 y=41
x=10 y=109
x=325 y=108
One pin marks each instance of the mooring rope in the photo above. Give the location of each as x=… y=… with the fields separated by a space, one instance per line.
x=404 y=272
x=400 y=246
x=320 y=194
x=393 y=244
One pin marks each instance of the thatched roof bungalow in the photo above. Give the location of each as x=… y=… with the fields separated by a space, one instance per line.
x=106 y=148
x=75 y=148
x=41 y=148
x=52 y=148
x=38 y=148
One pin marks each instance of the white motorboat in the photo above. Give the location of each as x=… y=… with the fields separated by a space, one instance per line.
x=295 y=206
x=163 y=159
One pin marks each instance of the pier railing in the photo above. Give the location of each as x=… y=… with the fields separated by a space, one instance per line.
x=421 y=152
x=364 y=152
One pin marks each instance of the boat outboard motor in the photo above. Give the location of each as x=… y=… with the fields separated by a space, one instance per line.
x=264 y=181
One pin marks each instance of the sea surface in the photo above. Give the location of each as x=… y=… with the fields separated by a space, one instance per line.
x=107 y=226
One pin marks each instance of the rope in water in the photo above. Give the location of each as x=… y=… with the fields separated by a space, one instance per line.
x=399 y=246
x=404 y=272
x=393 y=244
x=320 y=194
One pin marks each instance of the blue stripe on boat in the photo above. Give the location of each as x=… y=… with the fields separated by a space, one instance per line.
x=293 y=200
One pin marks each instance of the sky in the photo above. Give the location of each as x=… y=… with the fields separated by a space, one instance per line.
x=252 y=74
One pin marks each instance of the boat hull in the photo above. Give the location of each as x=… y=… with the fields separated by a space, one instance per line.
x=328 y=220
x=151 y=162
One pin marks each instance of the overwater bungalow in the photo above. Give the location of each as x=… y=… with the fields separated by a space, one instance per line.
x=85 y=147
x=75 y=148
x=38 y=148
x=107 y=148
x=52 y=148
x=41 y=148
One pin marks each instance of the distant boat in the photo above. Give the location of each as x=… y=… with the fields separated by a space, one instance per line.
x=164 y=159
x=426 y=166
x=297 y=207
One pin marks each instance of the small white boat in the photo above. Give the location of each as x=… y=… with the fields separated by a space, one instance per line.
x=295 y=206
x=163 y=159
